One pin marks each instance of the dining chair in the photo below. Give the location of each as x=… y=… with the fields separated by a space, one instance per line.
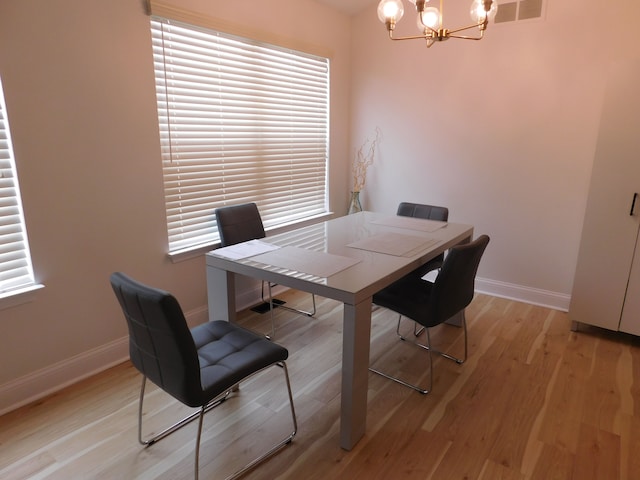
x=199 y=367
x=427 y=212
x=432 y=303
x=241 y=223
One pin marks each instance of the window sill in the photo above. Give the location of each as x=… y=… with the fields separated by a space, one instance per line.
x=18 y=297
x=187 y=254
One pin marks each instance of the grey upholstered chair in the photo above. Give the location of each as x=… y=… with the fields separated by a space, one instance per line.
x=427 y=212
x=198 y=367
x=241 y=223
x=430 y=304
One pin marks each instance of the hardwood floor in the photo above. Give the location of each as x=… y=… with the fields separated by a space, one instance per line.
x=534 y=401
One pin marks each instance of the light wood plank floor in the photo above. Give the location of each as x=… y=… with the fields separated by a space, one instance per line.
x=534 y=401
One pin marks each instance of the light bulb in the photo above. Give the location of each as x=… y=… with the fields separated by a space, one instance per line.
x=478 y=12
x=431 y=18
x=390 y=11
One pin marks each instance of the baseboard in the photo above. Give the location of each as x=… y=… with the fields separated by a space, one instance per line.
x=37 y=385
x=41 y=383
x=534 y=296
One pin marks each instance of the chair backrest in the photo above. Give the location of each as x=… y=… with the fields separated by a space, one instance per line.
x=161 y=346
x=428 y=212
x=419 y=210
x=453 y=289
x=239 y=223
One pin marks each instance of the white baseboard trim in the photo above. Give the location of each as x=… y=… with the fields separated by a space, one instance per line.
x=41 y=383
x=534 y=296
x=197 y=316
x=37 y=385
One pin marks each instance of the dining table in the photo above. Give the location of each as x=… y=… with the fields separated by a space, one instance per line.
x=347 y=259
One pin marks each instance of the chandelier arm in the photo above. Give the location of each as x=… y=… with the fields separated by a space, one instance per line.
x=482 y=26
x=412 y=37
x=466 y=37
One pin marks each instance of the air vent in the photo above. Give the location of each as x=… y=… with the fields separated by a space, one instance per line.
x=521 y=10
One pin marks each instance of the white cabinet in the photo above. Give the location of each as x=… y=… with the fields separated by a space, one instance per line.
x=606 y=290
x=630 y=321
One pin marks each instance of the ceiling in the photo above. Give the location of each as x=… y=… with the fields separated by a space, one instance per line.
x=349 y=7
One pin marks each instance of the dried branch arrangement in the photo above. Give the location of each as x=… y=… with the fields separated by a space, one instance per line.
x=364 y=158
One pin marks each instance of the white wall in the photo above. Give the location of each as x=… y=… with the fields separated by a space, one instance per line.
x=79 y=87
x=501 y=131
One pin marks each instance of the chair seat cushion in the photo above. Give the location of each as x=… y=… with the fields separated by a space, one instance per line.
x=228 y=353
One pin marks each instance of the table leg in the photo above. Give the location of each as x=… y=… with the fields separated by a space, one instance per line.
x=355 y=372
x=221 y=294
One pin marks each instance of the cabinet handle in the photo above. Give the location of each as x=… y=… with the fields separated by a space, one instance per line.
x=633 y=203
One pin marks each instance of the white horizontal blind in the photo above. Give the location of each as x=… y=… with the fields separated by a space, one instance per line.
x=240 y=121
x=16 y=271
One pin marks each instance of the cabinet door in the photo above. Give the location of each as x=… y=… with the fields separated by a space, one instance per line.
x=609 y=232
x=630 y=321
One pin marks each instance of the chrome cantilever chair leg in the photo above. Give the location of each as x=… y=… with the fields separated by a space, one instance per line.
x=200 y=415
x=198 y=437
x=271 y=304
x=169 y=430
x=302 y=312
x=429 y=350
x=459 y=361
x=287 y=440
x=273 y=320
x=424 y=391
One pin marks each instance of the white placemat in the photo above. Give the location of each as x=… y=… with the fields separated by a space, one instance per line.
x=244 y=249
x=391 y=243
x=411 y=223
x=320 y=264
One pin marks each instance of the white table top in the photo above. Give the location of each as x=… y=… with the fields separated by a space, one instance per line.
x=409 y=242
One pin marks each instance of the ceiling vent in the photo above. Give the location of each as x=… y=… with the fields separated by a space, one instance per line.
x=511 y=11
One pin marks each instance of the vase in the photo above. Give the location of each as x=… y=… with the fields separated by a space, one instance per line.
x=355 y=206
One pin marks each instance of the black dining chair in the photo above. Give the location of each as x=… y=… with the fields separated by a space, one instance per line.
x=199 y=367
x=432 y=303
x=241 y=223
x=427 y=212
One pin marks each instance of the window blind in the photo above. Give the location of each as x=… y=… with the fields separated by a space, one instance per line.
x=240 y=121
x=16 y=271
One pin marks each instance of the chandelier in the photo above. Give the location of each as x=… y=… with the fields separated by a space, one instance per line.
x=430 y=19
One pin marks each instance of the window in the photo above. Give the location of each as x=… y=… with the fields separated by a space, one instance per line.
x=240 y=121
x=16 y=272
